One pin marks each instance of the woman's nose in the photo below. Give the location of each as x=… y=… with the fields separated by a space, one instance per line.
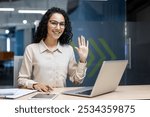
x=58 y=26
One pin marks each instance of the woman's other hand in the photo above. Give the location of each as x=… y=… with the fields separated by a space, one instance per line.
x=83 y=48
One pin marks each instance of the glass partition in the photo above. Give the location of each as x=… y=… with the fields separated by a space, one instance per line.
x=102 y=22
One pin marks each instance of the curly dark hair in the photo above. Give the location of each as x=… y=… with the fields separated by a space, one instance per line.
x=42 y=29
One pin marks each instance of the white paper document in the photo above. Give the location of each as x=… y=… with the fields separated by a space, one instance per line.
x=13 y=93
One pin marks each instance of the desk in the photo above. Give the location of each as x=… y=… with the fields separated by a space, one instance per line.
x=121 y=93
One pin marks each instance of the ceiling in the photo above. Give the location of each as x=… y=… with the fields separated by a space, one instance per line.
x=15 y=18
x=132 y=8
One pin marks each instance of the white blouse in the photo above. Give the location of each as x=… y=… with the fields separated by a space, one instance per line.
x=50 y=67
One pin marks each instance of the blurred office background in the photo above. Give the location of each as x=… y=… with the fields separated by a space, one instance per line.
x=116 y=29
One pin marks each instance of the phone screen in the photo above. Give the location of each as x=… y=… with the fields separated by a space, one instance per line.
x=44 y=96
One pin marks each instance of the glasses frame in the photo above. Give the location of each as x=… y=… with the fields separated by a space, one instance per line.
x=55 y=23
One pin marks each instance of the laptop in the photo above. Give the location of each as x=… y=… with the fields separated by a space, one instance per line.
x=107 y=80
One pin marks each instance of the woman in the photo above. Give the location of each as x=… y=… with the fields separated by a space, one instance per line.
x=50 y=59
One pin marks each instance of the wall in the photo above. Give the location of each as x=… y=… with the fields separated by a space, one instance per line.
x=138 y=31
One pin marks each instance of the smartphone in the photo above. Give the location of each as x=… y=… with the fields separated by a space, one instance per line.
x=45 y=96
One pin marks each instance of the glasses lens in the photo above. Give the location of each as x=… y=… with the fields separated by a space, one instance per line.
x=55 y=24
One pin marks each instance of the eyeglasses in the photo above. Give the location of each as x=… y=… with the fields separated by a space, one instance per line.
x=55 y=24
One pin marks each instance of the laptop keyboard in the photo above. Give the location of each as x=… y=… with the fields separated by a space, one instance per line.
x=88 y=92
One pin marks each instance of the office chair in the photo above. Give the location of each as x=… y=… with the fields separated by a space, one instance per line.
x=17 y=65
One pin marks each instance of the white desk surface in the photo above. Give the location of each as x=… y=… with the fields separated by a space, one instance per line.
x=122 y=93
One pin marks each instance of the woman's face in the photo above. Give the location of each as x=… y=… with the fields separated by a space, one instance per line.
x=56 y=26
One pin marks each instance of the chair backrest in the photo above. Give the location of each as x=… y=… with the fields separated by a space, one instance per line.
x=17 y=65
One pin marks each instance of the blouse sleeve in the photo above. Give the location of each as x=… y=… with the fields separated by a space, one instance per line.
x=77 y=71
x=25 y=73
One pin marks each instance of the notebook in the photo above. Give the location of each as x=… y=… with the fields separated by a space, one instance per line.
x=13 y=93
x=107 y=80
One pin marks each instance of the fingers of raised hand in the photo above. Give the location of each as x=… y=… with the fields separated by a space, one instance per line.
x=82 y=41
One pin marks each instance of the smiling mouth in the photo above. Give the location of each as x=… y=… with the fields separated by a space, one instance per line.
x=57 y=33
